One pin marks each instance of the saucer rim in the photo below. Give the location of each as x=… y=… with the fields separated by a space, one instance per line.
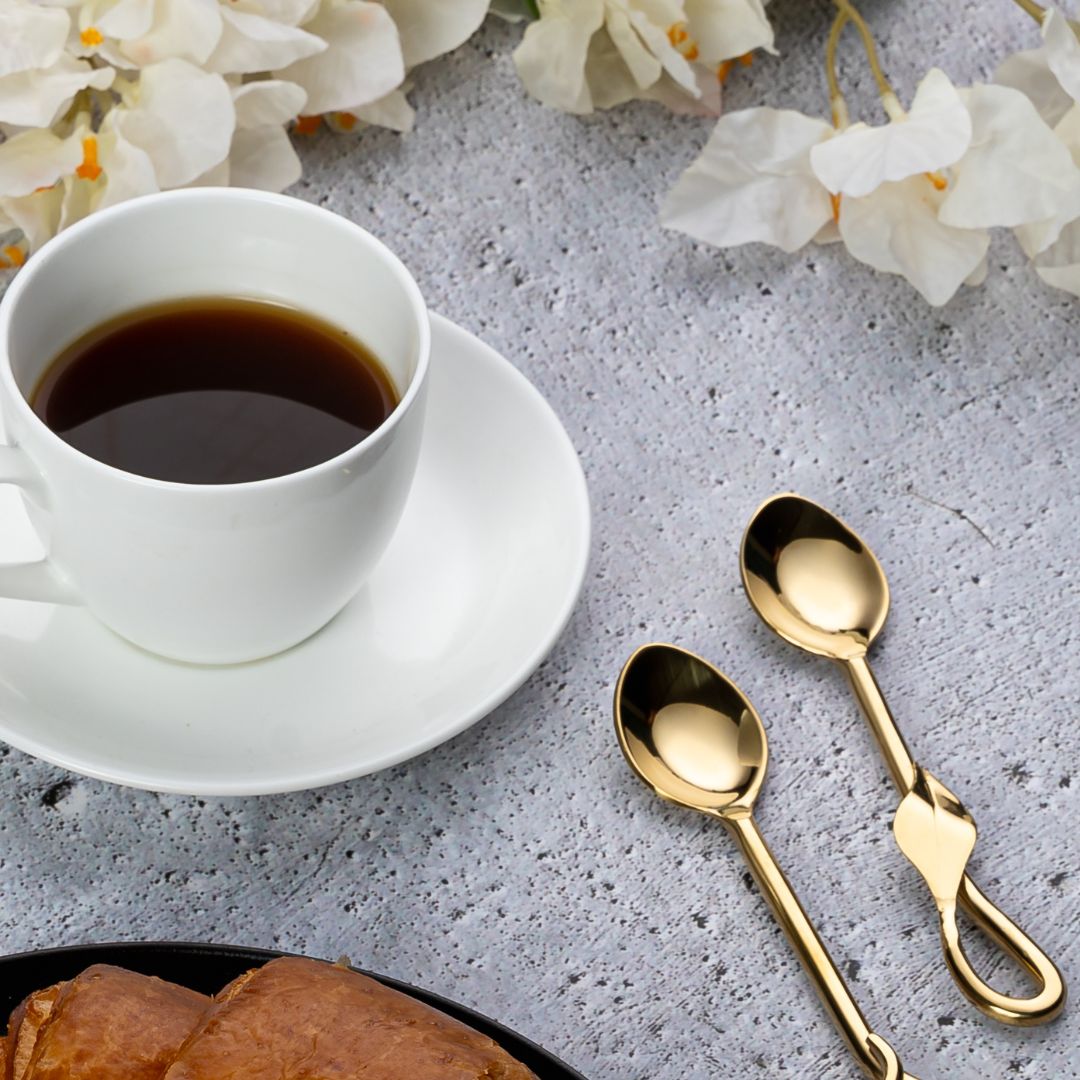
x=238 y=787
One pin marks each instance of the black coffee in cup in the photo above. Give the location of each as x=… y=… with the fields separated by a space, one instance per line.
x=214 y=391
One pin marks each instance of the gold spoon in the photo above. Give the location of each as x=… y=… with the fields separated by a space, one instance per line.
x=689 y=733
x=814 y=582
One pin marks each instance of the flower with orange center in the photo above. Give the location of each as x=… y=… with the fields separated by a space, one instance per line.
x=581 y=55
x=13 y=256
x=89 y=169
x=681 y=40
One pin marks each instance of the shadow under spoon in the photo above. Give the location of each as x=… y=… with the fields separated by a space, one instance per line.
x=815 y=583
x=688 y=732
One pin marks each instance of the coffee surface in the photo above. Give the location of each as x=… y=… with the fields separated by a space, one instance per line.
x=214 y=391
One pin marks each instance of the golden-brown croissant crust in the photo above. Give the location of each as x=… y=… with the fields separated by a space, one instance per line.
x=292 y=1019
x=298 y=1019
x=106 y=1024
x=26 y=1022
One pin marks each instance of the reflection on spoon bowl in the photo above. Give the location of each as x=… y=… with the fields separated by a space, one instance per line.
x=812 y=579
x=688 y=732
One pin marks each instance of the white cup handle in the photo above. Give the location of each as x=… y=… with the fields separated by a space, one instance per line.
x=34 y=580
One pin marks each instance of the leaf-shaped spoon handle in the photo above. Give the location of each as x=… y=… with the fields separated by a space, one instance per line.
x=937 y=834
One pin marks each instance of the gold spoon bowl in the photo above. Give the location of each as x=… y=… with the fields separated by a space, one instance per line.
x=692 y=737
x=816 y=583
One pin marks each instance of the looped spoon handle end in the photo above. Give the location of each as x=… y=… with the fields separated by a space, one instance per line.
x=937 y=835
x=1019 y=1012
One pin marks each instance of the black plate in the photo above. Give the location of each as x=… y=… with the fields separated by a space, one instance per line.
x=207 y=968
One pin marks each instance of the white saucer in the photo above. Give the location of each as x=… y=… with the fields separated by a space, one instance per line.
x=479 y=582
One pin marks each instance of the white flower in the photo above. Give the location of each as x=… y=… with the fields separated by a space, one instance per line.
x=392 y=111
x=552 y=55
x=51 y=182
x=39 y=96
x=182 y=117
x=1012 y=172
x=1050 y=77
x=170 y=127
x=30 y=36
x=251 y=43
x=753 y=182
x=933 y=134
x=1034 y=72
x=724 y=29
x=897 y=229
x=102 y=100
x=261 y=154
x=429 y=28
x=289 y=12
x=582 y=55
x=914 y=198
x=33 y=160
x=361 y=64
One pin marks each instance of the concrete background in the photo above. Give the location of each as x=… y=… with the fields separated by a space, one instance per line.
x=521 y=869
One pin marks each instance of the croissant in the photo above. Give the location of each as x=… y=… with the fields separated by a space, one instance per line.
x=106 y=1024
x=292 y=1019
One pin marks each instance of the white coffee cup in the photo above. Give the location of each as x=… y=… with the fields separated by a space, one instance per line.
x=217 y=573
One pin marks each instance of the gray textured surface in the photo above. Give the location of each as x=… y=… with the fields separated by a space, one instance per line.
x=521 y=869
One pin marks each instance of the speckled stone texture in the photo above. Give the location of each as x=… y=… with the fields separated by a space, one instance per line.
x=521 y=869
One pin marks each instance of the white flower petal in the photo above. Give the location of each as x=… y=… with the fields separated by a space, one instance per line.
x=219 y=176
x=724 y=29
x=120 y=19
x=76 y=202
x=263 y=157
x=1059 y=265
x=896 y=229
x=188 y=29
x=36 y=98
x=753 y=183
x=1038 y=236
x=673 y=61
x=978 y=275
x=1016 y=170
x=707 y=102
x=268 y=101
x=1029 y=72
x=643 y=65
x=36 y=159
x=362 y=64
x=30 y=36
x=935 y=134
x=127 y=171
x=250 y=43
x=608 y=79
x=393 y=112
x=551 y=57
x=183 y=119
x=429 y=28
x=37 y=215
x=829 y=233
x=289 y=12
x=1062 y=51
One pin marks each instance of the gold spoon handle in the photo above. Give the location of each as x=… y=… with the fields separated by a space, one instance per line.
x=872 y=701
x=877 y=1059
x=1023 y=1012
x=939 y=852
